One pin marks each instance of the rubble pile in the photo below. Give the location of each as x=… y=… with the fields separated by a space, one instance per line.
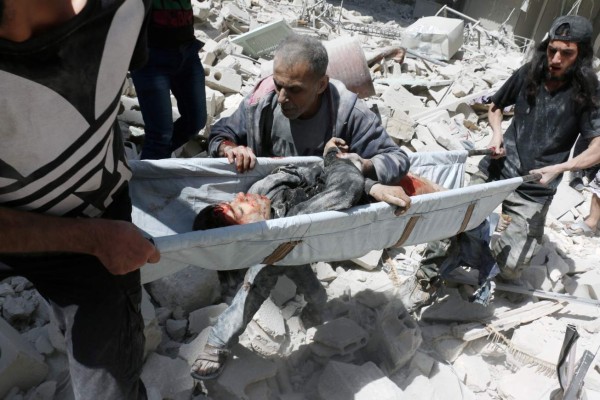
x=376 y=342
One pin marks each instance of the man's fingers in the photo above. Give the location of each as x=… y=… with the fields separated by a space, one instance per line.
x=230 y=157
x=397 y=201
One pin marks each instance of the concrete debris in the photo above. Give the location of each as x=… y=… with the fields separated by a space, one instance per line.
x=437 y=37
x=429 y=79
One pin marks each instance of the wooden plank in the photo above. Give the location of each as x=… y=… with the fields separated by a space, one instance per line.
x=506 y=320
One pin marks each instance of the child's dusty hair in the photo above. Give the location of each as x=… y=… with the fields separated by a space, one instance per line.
x=213 y=216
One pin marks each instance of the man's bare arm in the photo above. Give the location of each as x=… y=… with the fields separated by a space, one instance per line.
x=119 y=245
x=588 y=158
x=496 y=143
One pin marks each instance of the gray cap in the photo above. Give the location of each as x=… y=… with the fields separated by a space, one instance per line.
x=576 y=29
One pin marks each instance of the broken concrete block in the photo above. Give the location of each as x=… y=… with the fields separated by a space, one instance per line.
x=591 y=280
x=525 y=383
x=422 y=362
x=468 y=112
x=284 y=290
x=243 y=368
x=462 y=88
x=270 y=320
x=225 y=80
x=447 y=385
x=262 y=342
x=188 y=289
x=369 y=261
x=131 y=111
x=476 y=372
x=437 y=37
x=209 y=52
x=449 y=349
x=17 y=309
x=201 y=10
x=176 y=328
x=214 y=101
x=442 y=133
x=262 y=41
x=341 y=381
x=170 y=376
x=345 y=284
x=20 y=364
x=573 y=287
x=400 y=126
x=418 y=388
x=417 y=145
x=398 y=98
x=396 y=338
x=324 y=271
x=565 y=198
x=342 y=334
x=557 y=266
x=423 y=134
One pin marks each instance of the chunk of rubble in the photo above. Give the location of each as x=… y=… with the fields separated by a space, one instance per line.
x=341 y=381
x=20 y=364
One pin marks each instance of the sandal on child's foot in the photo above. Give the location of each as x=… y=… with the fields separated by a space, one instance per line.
x=503 y=222
x=210 y=363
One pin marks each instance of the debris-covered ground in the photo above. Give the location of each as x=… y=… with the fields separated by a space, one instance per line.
x=371 y=346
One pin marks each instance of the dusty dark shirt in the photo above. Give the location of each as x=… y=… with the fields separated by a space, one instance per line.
x=294 y=190
x=539 y=135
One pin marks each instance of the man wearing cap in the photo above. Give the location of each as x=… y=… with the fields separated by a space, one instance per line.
x=556 y=98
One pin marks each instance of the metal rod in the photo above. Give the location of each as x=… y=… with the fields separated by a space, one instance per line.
x=446 y=9
x=480 y=152
x=532 y=177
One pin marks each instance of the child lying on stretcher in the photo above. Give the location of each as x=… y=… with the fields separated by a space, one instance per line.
x=291 y=190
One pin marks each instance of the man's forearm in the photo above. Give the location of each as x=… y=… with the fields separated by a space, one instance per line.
x=27 y=232
x=588 y=158
x=495 y=118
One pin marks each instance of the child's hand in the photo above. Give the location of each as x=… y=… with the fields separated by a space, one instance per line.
x=336 y=143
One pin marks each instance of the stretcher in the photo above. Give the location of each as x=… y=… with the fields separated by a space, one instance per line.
x=167 y=195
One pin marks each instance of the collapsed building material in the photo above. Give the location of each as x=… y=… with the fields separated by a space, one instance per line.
x=262 y=41
x=347 y=63
x=374 y=30
x=531 y=292
x=437 y=37
x=20 y=364
x=506 y=320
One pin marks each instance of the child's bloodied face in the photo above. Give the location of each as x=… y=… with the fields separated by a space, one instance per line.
x=247 y=207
